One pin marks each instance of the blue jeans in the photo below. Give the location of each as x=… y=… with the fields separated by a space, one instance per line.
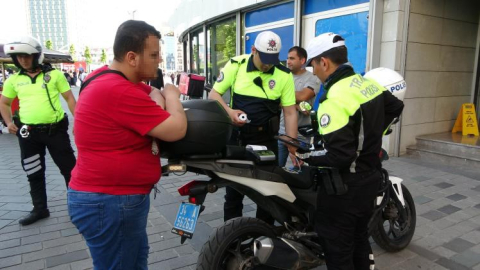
x=114 y=227
x=282 y=154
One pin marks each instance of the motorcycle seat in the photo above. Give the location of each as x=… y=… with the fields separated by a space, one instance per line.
x=303 y=179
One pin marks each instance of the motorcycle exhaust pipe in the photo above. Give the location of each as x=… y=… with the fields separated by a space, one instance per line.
x=282 y=253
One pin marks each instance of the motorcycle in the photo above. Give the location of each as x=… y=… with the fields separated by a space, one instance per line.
x=250 y=243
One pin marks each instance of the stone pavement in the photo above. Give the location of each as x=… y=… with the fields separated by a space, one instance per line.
x=447 y=234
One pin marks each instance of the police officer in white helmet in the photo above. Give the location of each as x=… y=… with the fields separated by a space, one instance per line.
x=41 y=123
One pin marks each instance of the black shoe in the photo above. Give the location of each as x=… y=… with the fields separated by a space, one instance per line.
x=34 y=216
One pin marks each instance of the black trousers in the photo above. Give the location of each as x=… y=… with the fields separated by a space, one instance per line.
x=233 y=206
x=342 y=223
x=33 y=158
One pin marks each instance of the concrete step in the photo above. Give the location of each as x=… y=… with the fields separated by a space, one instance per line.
x=464 y=148
x=432 y=156
x=447 y=148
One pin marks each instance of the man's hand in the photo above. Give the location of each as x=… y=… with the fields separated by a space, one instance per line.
x=234 y=115
x=157 y=96
x=296 y=161
x=12 y=128
x=170 y=91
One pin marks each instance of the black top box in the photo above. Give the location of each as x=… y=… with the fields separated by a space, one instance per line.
x=208 y=131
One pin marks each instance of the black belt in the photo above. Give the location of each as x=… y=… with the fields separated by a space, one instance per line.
x=43 y=127
x=253 y=129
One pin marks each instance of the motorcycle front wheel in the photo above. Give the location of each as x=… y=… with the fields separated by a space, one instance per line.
x=231 y=245
x=392 y=233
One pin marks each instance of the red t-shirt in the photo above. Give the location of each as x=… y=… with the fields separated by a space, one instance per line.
x=112 y=118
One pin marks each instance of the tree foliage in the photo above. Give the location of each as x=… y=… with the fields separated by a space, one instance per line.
x=49 y=44
x=88 y=56
x=103 y=57
x=229 y=32
x=73 y=52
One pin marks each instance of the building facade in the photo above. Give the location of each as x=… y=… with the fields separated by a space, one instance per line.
x=48 y=20
x=434 y=44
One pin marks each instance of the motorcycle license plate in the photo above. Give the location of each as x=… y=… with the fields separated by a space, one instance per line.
x=186 y=219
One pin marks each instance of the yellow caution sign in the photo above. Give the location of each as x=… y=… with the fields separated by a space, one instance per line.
x=466 y=120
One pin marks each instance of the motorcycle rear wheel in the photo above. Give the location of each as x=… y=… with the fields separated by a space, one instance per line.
x=230 y=246
x=394 y=234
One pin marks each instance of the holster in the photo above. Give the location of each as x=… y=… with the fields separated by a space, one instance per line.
x=273 y=126
x=333 y=181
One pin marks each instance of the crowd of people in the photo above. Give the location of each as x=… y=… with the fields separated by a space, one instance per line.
x=117 y=165
x=75 y=77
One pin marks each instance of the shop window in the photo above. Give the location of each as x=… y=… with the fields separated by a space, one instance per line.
x=198 y=53
x=221 y=46
x=354 y=28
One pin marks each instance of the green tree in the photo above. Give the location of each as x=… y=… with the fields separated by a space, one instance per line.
x=73 y=52
x=229 y=32
x=88 y=56
x=49 y=44
x=103 y=57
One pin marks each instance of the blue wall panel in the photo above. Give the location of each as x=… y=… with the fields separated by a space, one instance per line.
x=269 y=14
x=286 y=35
x=314 y=6
x=354 y=28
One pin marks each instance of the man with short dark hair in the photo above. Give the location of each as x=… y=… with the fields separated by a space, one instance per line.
x=118 y=118
x=353 y=115
x=307 y=86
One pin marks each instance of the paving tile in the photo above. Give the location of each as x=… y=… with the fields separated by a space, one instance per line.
x=420 y=178
x=472 y=236
x=456 y=197
x=449 y=209
x=35 y=265
x=443 y=185
x=458 y=245
x=449 y=264
x=10 y=261
x=20 y=250
x=467 y=258
x=426 y=253
x=212 y=216
x=416 y=262
x=42 y=254
x=14 y=215
x=9 y=243
x=66 y=258
x=433 y=215
x=62 y=241
x=443 y=252
x=422 y=199
x=82 y=265
x=19 y=234
x=184 y=250
x=57 y=227
x=161 y=256
x=40 y=238
x=68 y=232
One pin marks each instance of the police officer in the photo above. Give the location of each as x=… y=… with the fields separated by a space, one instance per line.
x=353 y=115
x=42 y=122
x=259 y=86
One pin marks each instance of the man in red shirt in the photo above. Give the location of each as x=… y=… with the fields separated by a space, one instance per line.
x=117 y=120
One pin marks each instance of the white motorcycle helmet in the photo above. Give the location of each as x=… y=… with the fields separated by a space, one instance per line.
x=389 y=79
x=25 y=45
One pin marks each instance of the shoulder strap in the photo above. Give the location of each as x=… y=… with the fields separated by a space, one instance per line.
x=85 y=83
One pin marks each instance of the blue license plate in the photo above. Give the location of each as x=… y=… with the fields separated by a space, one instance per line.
x=186 y=220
